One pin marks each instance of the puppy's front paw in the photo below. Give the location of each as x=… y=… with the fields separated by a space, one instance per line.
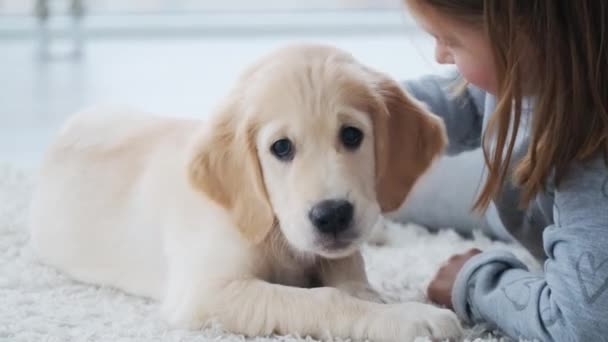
x=407 y=321
x=429 y=321
x=361 y=290
x=441 y=324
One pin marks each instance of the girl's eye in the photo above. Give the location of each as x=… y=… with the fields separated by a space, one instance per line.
x=351 y=137
x=283 y=149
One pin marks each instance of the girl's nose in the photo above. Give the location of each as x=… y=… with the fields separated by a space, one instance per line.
x=442 y=54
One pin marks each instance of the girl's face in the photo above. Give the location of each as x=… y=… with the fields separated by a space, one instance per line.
x=456 y=43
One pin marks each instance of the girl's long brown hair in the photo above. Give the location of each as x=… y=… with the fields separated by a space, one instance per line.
x=556 y=51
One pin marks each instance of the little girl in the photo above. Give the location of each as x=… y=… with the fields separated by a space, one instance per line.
x=536 y=100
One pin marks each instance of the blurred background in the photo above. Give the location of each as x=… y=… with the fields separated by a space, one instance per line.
x=172 y=57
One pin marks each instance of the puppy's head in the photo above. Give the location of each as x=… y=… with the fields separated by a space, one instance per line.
x=316 y=142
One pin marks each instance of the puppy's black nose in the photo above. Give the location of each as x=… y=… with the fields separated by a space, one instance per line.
x=331 y=216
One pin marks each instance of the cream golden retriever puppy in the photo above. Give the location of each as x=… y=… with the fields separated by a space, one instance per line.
x=254 y=218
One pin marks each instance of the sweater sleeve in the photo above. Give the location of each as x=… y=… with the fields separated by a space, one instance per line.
x=569 y=300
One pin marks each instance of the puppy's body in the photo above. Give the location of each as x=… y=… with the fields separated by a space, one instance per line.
x=204 y=218
x=97 y=207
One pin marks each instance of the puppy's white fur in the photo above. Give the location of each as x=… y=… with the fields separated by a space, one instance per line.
x=204 y=218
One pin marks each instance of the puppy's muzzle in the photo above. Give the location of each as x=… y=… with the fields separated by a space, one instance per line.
x=331 y=217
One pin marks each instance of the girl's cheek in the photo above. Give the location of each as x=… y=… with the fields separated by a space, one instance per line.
x=476 y=74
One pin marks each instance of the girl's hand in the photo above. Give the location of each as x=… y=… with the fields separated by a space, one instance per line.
x=440 y=288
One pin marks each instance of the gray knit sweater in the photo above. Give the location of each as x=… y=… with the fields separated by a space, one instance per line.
x=566 y=226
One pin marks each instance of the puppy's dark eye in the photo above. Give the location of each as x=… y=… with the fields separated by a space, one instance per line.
x=282 y=149
x=351 y=137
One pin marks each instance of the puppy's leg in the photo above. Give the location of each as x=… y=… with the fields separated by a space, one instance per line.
x=257 y=308
x=348 y=274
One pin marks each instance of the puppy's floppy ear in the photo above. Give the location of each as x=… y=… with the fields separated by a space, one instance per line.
x=225 y=166
x=408 y=139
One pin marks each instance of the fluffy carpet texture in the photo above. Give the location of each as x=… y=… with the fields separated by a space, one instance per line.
x=38 y=303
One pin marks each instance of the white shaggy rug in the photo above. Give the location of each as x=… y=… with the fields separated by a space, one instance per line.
x=37 y=303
